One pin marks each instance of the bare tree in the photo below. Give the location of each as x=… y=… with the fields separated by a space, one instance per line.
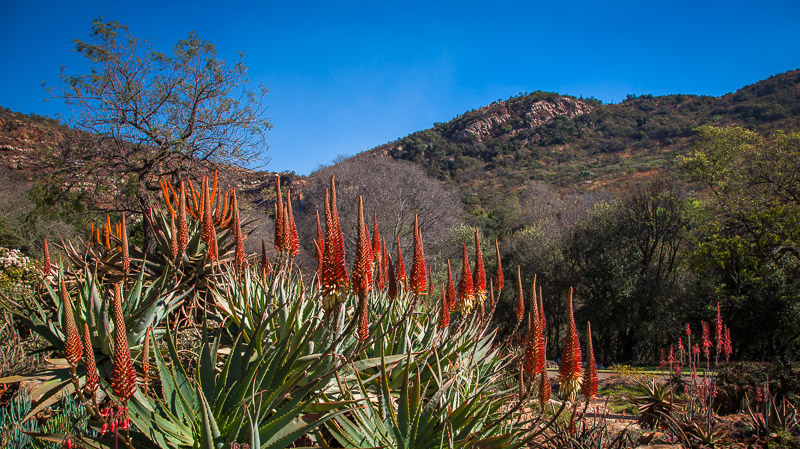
x=157 y=114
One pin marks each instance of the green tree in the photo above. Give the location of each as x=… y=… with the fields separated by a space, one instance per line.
x=747 y=241
x=152 y=114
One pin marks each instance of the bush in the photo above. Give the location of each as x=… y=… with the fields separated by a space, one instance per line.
x=745 y=378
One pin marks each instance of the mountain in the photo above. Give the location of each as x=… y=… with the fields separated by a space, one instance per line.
x=578 y=144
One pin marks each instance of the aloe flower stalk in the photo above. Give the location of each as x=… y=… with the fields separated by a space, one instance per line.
x=589 y=386
x=451 y=289
x=718 y=330
x=498 y=281
x=491 y=296
x=706 y=341
x=237 y=231
x=319 y=242
x=72 y=343
x=541 y=362
x=520 y=305
x=126 y=258
x=107 y=232
x=362 y=273
x=534 y=306
x=376 y=238
x=391 y=290
x=400 y=272
x=146 y=361
x=279 y=232
x=419 y=269
x=479 y=273
x=47 y=266
x=444 y=313
x=728 y=346
x=209 y=234
x=529 y=356
x=465 y=295
x=385 y=265
x=570 y=371
x=334 y=271
x=183 y=225
x=123 y=377
x=92 y=379
x=173 y=240
x=544 y=389
x=293 y=245
x=541 y=311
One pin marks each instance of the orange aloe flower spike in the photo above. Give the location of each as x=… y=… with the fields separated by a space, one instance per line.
x=362 y=265
x=570 y=371
x=173 y=241
x=589 y=386
x=47 y=265
x=237 y=231
x=498 y=279
x=334 y=271
x=479 y=273
x=72 y=343
x=544 y=389
x=465 y=295
x=444 y=313
x=209 y=234
x=541 y=310
x=146 y=360
x=534 y=306
x=419 y=269
x=196 y=210
x=126 y=258
x=320 y=241
x=400 y=272
x=520 y=307
x=376 y=238
x=123 y=377
x=165 y=191
x=108 y=231
x=279 y=233
x=294 y=240
x=451 y=289
x=183 y=226
x=529 y=357
x=92 y=379
x=264 y=261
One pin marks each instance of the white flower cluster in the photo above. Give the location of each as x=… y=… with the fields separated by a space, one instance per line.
x=13 y=258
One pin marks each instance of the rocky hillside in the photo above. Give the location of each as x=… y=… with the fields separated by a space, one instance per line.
x=578 y=144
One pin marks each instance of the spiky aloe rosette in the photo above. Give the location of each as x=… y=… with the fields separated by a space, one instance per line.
x=570 y=371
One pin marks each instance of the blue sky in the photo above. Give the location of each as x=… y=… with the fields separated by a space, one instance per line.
x=347 y=76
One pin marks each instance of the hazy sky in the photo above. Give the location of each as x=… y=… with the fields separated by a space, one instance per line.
x=347 y=76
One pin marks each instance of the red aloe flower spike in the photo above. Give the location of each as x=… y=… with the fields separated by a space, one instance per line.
x=541 y=362
x=72 y=343
x=534 y=306
x=391 y=290
x=107 y=232
x=165 y=191
x=279 y=232
x=718 y=330
x=520 y=308
x=479 y=273
x=589 y=386
x=498 y=279
x=569 y=373
x=706 y=341
x=123 y=378
x=451 y=289
x=400 y=273
x=92 y=379
x=419 y=269
x=544 y=389
x=237 y=231
x=293 y=246
x=541 y=310
x=728 y=348
x=362 y=270
x=376 y=238
x=334 y=272
x=465 y=295
x=126 y=258
x=209 y=235
x=264 y=261
x=444 y=313
x=146 y=360
x=385 y=264
x=183 y=226
x=47 y=266
x=529 y=356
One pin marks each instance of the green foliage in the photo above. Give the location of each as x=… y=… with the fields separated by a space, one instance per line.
x=13 y=423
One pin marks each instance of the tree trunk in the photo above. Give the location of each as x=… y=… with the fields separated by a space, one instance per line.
x=149 y=245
